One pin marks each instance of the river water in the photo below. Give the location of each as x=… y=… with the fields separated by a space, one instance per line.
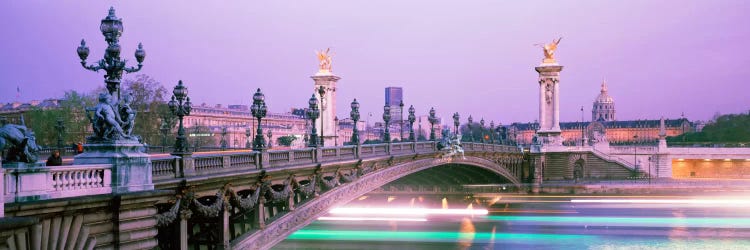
x=514 y=221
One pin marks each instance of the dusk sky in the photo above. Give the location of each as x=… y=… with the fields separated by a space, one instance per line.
x=472 y=57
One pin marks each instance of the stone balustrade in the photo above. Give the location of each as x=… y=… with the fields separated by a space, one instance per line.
x=168 y=167
x=35 y=183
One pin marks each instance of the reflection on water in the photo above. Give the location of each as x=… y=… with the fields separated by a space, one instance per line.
x=533 y=222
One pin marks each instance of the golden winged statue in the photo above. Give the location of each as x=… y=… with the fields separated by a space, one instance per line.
x=549 y=50
x=324 y=61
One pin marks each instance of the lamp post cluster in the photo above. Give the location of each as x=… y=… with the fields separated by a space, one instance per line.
x=313 y=112
x=432 y=119
x=111 y=27
x=258 y=111
x=412 y=119
x=387 y=120
x=354 y=114
x=164 y=129
x=248 y=143
x=401 y=121
x=471 y=133
x=180 y=106
x=223 y=141
x=481 y=129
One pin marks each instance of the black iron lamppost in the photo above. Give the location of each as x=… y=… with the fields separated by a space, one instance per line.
x=180 y=109
x=583 y=138
x=322 y=93
x=248 y=133
x=412 y=119
x=481 y=130
x=492 y=132
x=313 y=112
x=354 y=114
x=223 y=142
x=336 y=131
x=164 y=129
x=456 y=123
x=432 y=119
x=635 y=156
x=471 y=133
x=259 y=110
x=111 y=27
x=401 y=121
x=387 y=120
x=60 y=127
x=270 y=138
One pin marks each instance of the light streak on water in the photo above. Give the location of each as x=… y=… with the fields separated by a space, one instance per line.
x=628 y=221
x=357 y=235
x=406 y=211
x=717 y=202
x=371 y=219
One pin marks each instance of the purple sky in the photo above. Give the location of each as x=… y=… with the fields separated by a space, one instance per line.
x=659 y=58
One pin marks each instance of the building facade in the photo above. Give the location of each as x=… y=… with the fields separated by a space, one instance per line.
x=604 y=106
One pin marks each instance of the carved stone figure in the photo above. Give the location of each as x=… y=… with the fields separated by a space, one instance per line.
x=105 y=122
x=548 y=93
x=127 y=114
x=324 y=60
x=20 y=142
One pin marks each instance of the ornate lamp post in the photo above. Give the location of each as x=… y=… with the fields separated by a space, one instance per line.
x=111 y=27
x=322 y=93
x=456 y=123
x=401 y=121
x=223 y=141
x=313 y=113
x=471 y=133
x=481 y=129
x=60 y=127
x=432 y=119
x=248 y=133
x=270 y=138
x=164 y=129
x=635 y=156
x=259 y=110
x=412 y=119
x=387 y=120
x=492 y=132
x=354 y=114
x=180 y=109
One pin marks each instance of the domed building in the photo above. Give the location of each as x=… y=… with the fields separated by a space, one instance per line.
x=604 y=106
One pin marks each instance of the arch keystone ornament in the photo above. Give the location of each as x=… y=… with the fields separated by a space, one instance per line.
x=307 y=212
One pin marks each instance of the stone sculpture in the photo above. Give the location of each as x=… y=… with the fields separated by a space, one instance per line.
x=324 y=59
x=20 y=142
x=549 y=50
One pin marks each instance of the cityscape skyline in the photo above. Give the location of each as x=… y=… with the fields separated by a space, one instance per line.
x=687 y=52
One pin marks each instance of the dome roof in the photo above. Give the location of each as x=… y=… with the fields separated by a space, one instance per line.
x=603 y=96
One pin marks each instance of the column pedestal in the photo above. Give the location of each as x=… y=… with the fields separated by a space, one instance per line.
x=131 y=167
x=549 y=104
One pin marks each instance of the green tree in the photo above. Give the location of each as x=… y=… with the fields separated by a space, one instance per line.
x=286 y=140
x=731 y=128
x=71 y=110
x=149 y=103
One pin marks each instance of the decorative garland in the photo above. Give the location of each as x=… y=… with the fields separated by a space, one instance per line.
x=168 y=217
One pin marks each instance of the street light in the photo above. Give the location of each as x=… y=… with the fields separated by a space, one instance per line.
x=258 y=111
x=354 y=114
x=248 y=133
x=583 y=140
x=180 y=109
x=401 y=121
x=481 y=129
x=60 y=127
x=412 y=119
x=432 y=119
x=322 y=92
x=223 y=142
x=635 y=156
x=471 y=133
x=111 y=27
x=336 y=131
x=313 y=113
x=492 y=132
x=387 y=120
x=164 y=129
x=270 y=138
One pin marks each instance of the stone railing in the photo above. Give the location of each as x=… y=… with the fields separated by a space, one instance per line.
x=169 y=167
x=625 y=150
x=36 y=183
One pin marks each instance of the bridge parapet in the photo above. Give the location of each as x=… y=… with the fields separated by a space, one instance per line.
x=36 y=183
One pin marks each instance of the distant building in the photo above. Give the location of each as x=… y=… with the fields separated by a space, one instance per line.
x=604 y=122
x=603 y=109
x=393 y=98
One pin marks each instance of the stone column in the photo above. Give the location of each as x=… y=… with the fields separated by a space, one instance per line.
x=328 y=106
x=549 y=103
x=131 y=167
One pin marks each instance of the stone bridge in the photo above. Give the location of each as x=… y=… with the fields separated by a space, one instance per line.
x=239 y=199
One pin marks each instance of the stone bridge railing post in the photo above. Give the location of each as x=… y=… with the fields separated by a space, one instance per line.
x=265 y=159
x=388 y=148
x=317 y=154
x=225 y=161
x=357 y=150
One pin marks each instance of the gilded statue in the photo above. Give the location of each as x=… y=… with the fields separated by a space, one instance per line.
x=324 y=59
x=549 y=50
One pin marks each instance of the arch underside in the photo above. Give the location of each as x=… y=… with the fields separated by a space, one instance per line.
x=310 y=210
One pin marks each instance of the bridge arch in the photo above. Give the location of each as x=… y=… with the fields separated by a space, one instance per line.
x=307 y=212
